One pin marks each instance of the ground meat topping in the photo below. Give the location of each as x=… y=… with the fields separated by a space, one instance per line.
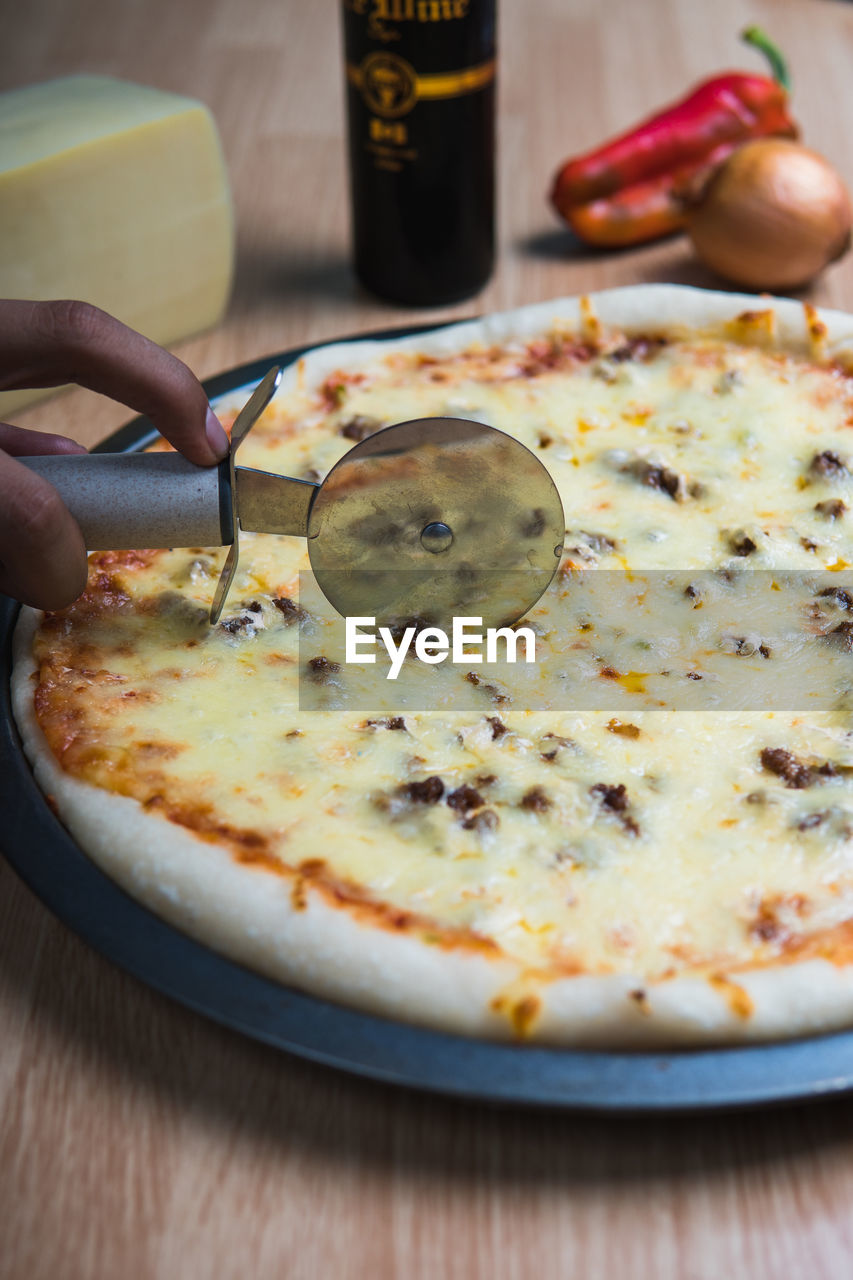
x=600 y=542
x=655 y=476
x=796 y=773
x=643 y=349
x=842 y=635
x=550 y=752
x=741 y=543
x=838 y=596
x=827 y=465
x=321 y=668
x=535 y=801
x=767 y=928
x=777 y=917
x=832 y=509
x=360 y=427
x=588 y=545
x=745 y=646
x=388 y=722
x=614 y=799
x=426 y=791
x=484 y=821
x=465 y=798
x=491 y=690
x=786 y=766
x=497 y=726
x=399 y=628
x=289 y=610
x=247 y=623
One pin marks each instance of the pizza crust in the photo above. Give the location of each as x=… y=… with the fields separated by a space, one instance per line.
x=677 y=310
x=249 y=914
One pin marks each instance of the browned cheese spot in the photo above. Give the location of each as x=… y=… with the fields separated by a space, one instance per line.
x=738 y=1000
x=623 y=730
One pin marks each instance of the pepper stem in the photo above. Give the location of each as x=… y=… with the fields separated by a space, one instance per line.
x=756 y=37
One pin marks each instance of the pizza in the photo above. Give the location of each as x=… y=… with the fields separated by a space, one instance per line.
x=480 y=856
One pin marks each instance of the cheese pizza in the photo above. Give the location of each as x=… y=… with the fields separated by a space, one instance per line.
x=611 y=873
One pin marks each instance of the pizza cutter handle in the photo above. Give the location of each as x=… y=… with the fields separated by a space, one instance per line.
x=123 y=501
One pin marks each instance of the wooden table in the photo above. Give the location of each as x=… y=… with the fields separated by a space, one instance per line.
x=136 y=1139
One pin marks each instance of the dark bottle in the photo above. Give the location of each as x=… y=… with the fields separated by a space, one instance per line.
x=421 y=103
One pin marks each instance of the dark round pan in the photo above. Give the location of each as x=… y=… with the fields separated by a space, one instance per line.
x=87 y=901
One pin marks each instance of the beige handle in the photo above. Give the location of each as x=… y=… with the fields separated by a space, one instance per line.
x=128 y=500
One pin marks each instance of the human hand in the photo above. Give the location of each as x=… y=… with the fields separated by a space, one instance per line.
x=46 y=344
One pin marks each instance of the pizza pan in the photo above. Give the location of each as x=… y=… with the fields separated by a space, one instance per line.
x=128 y=934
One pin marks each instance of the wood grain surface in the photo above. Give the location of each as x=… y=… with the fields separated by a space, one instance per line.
x=136 y=1139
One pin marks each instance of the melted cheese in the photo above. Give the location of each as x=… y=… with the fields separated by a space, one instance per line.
x=707 y=860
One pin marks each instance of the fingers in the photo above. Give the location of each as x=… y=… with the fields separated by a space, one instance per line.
x=42 y=555
x=25 y=444
x=45 y=344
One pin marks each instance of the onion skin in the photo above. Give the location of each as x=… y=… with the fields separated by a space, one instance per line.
x=772 y=216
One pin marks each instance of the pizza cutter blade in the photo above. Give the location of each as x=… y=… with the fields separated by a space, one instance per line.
x=425 y=520
x=436 y=518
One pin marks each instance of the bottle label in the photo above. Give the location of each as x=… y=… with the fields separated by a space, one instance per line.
x=391 y=87
x=380 y=12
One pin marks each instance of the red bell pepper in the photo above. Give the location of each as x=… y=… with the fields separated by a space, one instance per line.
x=633 y=188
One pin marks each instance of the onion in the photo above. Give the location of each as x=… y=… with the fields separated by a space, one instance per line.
x=772 y=216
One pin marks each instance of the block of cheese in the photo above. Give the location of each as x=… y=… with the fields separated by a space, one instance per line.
x=117 y=194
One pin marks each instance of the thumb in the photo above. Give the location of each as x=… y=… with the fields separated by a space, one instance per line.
x=42 y=553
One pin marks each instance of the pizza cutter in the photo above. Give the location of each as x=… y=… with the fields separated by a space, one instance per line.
x=424 y=520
